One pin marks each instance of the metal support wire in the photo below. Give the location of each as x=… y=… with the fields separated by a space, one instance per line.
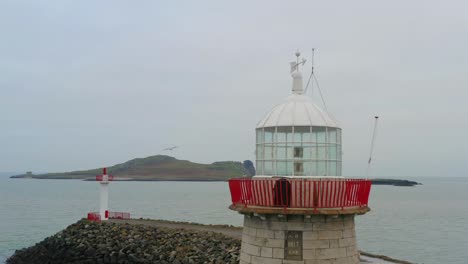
x=374 y=135
x=321 y=95
x=311 y=73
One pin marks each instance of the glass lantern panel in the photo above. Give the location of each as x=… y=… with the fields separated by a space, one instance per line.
x=289 y=152
x=269 y=152
x=321 y=168
x=307 y=150
x=321 y=152
x=259 y=168
x=260 y=136
x=268 y=168
x=260 y=152
x=320 y=134
x=269 y=134
x=281 y=151
x=302 y=134
x=338 y=168
x=308 y=171
x=281 y=168
x=282 y=134
x=332 y=168
x=313 y=151
x=332 y=151
x=331 y=134
x=289 y=168
x=313 y=168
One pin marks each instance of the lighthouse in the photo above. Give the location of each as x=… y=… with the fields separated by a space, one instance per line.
x=299 y=208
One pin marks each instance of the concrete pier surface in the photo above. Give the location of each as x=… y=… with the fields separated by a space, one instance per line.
x=236 y=232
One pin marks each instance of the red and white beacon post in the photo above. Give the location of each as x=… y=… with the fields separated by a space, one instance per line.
x=104 y=195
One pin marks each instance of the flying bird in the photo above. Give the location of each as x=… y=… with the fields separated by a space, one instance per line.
x=171 y=148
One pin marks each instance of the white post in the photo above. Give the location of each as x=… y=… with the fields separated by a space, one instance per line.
x=104 y=196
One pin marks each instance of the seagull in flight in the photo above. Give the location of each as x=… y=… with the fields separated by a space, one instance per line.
x=171 y=148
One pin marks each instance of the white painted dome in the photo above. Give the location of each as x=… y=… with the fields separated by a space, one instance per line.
x=297 y=110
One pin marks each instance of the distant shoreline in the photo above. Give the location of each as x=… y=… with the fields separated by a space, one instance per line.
x=390 y=182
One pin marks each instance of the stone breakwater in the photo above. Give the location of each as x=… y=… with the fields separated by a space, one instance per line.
x=91 y=242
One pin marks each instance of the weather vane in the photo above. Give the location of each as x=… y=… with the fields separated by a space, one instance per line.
x=295 y=64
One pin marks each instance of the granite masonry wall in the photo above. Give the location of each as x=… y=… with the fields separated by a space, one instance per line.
x=325 y=239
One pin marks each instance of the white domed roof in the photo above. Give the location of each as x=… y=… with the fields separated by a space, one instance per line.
x=297 y=110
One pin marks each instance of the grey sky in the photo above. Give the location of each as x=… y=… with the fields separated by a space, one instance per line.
x=85 y=84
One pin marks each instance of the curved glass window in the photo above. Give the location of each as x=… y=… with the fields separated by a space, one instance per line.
x=298 y=151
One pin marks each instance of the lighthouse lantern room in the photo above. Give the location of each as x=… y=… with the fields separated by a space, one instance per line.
x=299 y=208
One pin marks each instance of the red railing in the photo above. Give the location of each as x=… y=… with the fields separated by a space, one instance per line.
x=119 y=215
x=95 y=216
x=300 y=193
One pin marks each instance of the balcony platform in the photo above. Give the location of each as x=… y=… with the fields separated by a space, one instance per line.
x=251 y=209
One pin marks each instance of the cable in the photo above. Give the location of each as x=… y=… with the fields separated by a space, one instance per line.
x=374 y=135
x=321 y=95
x=310 y=76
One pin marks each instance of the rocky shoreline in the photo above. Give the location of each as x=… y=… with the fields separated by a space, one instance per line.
x=91 y=242
x=144 y=241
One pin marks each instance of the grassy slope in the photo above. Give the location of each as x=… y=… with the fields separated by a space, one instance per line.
x=159 y=167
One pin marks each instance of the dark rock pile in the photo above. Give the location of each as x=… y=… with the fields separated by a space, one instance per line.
x=91 y=242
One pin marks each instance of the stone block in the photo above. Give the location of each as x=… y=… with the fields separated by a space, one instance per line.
x=330 y=253
x=266 y=252
x=349 y=223
x=317 y=219
x=352 y=251
x=346 y=260
x=278 y=253
x=250 y=231
x=349 y=233
x=287 y=261
x=245 y=257
x=295 y=218
x=308 y=254
x=334 y=243
x=265 y=233
x=328 y=226
x=310 y=235
x=279 y=234
x=318 y=261
x=276 y=243
x=262 y=260
x=334 y=219
x=346 y=242
x=330 y=234
x=313 y=244
x=278 y=226
x=299 y=226
x=250 y=249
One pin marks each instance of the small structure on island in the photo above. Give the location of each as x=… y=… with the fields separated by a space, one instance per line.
x=104 y=214
x=299 y=209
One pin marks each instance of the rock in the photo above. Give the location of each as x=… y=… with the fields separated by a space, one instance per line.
x=91 y=242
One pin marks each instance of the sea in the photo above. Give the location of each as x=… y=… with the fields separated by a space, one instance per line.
x=423 y=224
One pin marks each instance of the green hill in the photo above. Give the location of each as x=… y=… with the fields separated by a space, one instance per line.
x=159 y=167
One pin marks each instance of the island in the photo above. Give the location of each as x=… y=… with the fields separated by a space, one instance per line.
x=159 y=168
x=394 y=182
x=167 y=168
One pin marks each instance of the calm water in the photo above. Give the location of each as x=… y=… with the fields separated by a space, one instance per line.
x=424 y=224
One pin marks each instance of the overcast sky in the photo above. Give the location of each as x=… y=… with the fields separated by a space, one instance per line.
x=87 y=84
